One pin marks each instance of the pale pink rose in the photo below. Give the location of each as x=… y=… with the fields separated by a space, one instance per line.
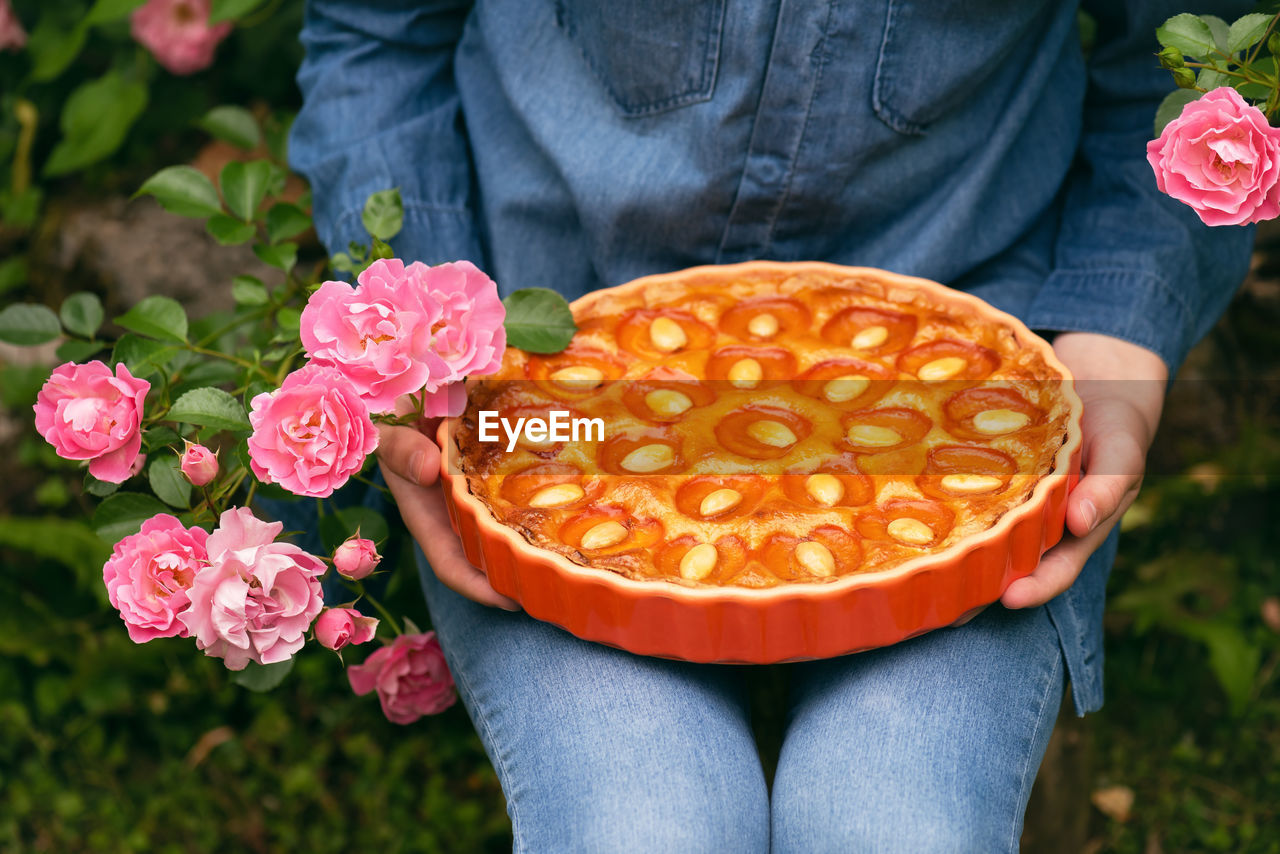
x=256 y=598
x=356 y=558
x=178 y=33
x=337 y=627
x=378 y=334
x=410 y=676
x=12 y=35
x=149 y=574
x=470 y=336
x=199 y=464
x=1222 y=158
x=88 y=413
x=310 y=434
x=447 y=401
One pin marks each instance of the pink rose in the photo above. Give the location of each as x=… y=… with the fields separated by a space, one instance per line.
x=88 y=413
x=410 y=676
x=12 y=35
x=378 y=334
x=149 y=574
x=310 y=434
x=470 y=337
x=256 y=598
x=199 y=464
x=356 y=558
x=178 y=33
x=337 y=627
x=1222 y=158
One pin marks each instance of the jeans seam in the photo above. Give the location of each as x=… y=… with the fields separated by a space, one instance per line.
x=1024 y=786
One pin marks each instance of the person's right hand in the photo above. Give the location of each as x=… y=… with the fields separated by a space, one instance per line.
x=410 y=462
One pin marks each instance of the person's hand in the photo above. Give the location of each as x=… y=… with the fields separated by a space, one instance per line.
x=1122 y=386
x=410 y=462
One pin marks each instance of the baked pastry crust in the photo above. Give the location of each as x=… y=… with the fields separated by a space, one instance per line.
x=910 y=467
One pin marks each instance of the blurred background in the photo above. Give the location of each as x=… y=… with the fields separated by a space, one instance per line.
x=106 y=746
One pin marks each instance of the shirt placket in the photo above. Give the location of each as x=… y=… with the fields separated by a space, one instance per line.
x=786 y=102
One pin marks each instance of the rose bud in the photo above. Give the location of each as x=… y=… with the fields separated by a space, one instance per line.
x=356 y=558
x=337 y=627
x=199 y=464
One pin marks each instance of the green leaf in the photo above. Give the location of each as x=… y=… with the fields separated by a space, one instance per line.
x=235 y=125
x=1232 y=658
x=54 y=43
x=538 y=321
x=337 y=527
x=161 y=436
x=289 y=319
x=262 y=677
x=1209 y=79
x=248 y=290
x=183 y=190
x=142 y=356
x=27 y=324
x=82 y=314
x=1219 y=29
x=123 y=513
x=71 y=543
x=168 y=482
x=156 y=317
x=111 y=10
x=244 y=185
x=99 y=488
x=75 y=350
x=1187 y=33
x=281 y=256
x=13 y=272
x=285 y=220
x=95 y=119
x=210 y=407
x=1247 y=31
x=228 y=231
x=383 y=214
x=1171 y=107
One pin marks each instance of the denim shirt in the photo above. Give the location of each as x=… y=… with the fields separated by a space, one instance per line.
x=577 y=144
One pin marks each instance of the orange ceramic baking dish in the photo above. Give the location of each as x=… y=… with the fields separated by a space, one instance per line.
x=788 y=622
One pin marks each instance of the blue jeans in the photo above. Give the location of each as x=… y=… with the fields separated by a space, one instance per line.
x=930 y=745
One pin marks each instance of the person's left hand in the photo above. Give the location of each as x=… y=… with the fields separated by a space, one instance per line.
x=1122 y=386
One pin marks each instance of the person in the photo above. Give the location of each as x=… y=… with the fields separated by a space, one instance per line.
x=578 y=144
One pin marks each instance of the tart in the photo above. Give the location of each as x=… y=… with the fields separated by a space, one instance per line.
x=765 y=462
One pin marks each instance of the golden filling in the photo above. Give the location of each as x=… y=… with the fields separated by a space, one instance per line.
x=763 y=427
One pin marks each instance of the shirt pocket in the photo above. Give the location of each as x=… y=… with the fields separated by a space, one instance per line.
x=649 y=55
x=934 y=56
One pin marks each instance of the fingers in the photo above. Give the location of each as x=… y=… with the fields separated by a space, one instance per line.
x=410 y=454
x=1114 y=458
x=1056 y=571
x=427 y=519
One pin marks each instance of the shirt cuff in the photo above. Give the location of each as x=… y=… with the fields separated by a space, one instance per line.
x=1137 y=307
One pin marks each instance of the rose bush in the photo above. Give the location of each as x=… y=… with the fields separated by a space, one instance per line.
x=338 y=627
x=311 y=434
x=149 y=574
x=410 y=676
x=89 y=413
x=178 y=33
x=1222 y=158
x=256 y=599
x=356 y=558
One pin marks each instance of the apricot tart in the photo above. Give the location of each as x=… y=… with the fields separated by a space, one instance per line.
x=766 y=462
